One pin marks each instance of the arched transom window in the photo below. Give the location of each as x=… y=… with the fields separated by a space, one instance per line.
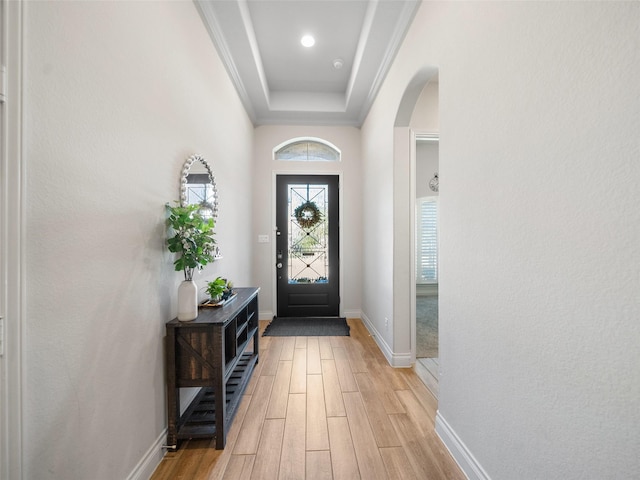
x=307 y=150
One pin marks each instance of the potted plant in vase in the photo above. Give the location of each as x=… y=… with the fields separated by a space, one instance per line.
x=193 y=241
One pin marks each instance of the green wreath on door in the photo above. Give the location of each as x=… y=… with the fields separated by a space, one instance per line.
x=307 y=215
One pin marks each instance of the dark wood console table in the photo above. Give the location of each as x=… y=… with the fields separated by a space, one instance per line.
x=215 y=351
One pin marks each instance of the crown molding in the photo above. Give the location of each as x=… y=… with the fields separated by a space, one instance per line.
x=215 y=30
x=400 y=31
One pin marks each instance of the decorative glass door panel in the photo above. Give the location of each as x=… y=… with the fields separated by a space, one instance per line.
x=308 y=239
x=307 y=245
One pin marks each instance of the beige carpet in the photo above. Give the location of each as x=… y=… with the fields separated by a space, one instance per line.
x=427 y=327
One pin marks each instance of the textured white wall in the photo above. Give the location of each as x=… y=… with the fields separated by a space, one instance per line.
x=425 y=114
x=377 y=218
x=347 y=139
x=117 y=96
x=539 y=148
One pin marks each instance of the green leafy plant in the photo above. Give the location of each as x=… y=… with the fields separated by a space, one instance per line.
x=308 y=215
x=192 y=239
x=219 y=289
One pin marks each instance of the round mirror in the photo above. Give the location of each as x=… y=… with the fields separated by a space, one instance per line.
x=198 y=186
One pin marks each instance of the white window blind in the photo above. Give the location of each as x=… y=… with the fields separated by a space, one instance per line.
x=427 y=240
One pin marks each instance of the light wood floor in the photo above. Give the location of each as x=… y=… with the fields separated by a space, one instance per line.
x=323 y=408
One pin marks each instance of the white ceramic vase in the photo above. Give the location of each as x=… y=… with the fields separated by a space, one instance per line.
x=187 y=301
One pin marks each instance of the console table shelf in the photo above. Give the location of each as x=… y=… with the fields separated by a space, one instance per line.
x=211 y=352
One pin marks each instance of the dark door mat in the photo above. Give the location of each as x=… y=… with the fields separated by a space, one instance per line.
x=307 y=327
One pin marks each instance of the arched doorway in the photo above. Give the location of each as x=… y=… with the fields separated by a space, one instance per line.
x=417 y=124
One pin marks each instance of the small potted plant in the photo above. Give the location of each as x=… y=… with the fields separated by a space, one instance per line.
x=219 y=290
x=192 y=239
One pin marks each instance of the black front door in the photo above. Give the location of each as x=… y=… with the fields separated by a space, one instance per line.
x=307 y=246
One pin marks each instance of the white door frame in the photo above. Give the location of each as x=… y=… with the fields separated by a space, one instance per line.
x=415 y=136
x=12 y=224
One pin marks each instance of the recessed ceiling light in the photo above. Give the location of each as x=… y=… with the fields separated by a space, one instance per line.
x=308 y=41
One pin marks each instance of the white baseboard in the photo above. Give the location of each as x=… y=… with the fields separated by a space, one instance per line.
x=461 y=454
x=266 y=315
x=352 y=314
x=152 y=457
x=150 y=460
x=402 y=360
x=398 y=360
